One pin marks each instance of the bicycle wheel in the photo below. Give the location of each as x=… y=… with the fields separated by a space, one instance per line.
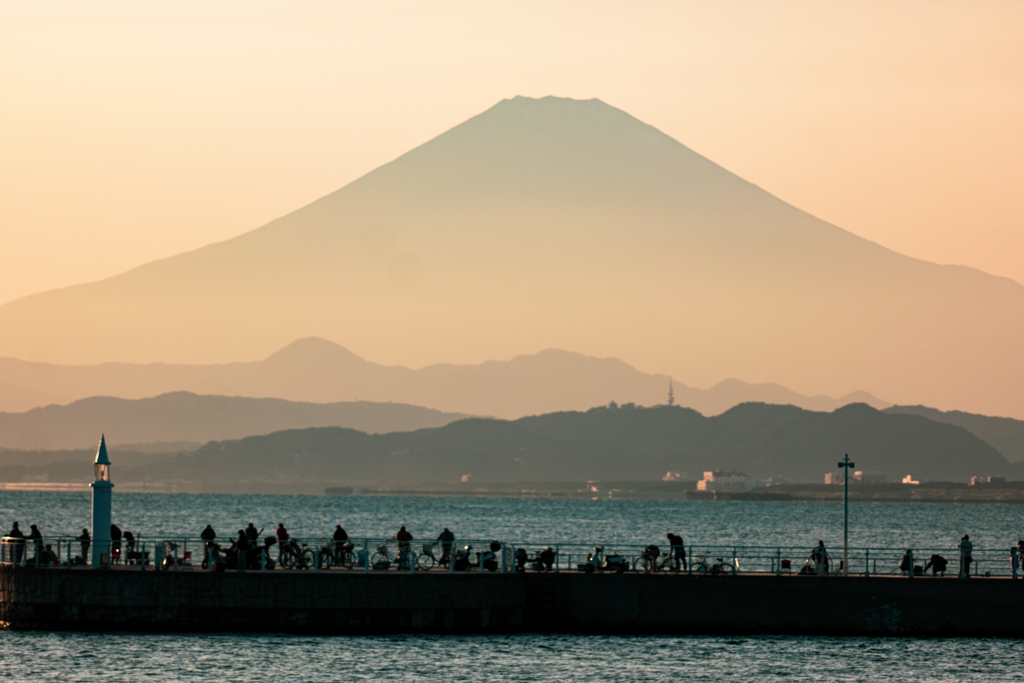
x=308 y=559
x=377 y=558
x=667 y=565
x=325 y=560
x=287 y=560
x=426 y=561
x=348 y=560
x=638 y=565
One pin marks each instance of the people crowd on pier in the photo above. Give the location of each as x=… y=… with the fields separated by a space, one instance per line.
x=246 y=550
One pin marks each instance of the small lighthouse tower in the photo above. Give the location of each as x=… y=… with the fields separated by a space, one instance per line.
x=101 y=503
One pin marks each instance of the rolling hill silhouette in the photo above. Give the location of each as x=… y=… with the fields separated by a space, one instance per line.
x=1003 y=433
x=570 y=224
x=186 y=417
x=320 y=371
x=602 y=443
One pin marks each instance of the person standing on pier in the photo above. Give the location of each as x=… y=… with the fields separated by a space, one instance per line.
x=447 y=540
x=85 y=539
x=17 y=537
x=820 y=556
x=404 y=539
x=252 y=535
x=965 y=556
x=678 y=550
x=282 y=541
x=37 y=542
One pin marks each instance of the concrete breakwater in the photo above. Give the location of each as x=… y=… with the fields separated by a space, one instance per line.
x=425 y=602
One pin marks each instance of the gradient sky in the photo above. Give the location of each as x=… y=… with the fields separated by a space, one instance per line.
x=134 y=131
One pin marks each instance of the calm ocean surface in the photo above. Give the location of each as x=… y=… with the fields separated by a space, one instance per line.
x=86 y=657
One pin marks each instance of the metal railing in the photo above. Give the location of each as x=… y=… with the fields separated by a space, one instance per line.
x=374 y=555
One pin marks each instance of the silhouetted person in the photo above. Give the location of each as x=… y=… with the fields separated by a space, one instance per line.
x=282 y=540
x=37 y=542
x=49 y=557
x=129 y=542
x=18 y=542
x=252 y=535
x=546 y=559
x=678 y=551
x=650 y=556
x=521 y=558
x=937 y=563
x=339 y=539
x=404 y=539
x=966 y=547
x=208 y=534
x=907 y=563
x=447 y=539
x=820 y=557
x=85 y=538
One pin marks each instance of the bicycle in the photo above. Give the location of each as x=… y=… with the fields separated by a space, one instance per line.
x=649 y=562
x=405 y=558
x=427 y=559
x=337 y=554
x=718 y=568
x=295 y=556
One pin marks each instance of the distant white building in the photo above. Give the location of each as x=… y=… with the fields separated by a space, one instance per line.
x=727 y=481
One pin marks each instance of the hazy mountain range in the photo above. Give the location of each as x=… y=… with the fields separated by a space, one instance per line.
x=314 y=370
x=193 y=420
x=602 y=443
x=567 y=224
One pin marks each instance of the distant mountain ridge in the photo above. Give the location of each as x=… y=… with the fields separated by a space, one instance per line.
x=1004 y=433
x=559 y=223
x=185 y=417
x=602 y=443
x=319 y=371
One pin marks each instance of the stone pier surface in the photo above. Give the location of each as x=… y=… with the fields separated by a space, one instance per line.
x=438 y=602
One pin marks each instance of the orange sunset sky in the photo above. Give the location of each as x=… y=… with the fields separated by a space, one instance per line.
x=134 y=131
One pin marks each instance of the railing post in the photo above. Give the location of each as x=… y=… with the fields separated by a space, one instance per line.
x=910 y=556
x=778 y=562
x=366 y=556
x=557 y=557
x=867 y=563
x=316 y=561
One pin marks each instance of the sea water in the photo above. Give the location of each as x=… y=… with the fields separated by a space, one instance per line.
x=528 y=657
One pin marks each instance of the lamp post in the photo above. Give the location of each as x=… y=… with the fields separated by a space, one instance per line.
x=101 y=494
x=846 y=466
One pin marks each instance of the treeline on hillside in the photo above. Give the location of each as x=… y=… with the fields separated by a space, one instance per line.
x=602 y=443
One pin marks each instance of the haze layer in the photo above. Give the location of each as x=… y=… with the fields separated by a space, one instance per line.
x=560 y=223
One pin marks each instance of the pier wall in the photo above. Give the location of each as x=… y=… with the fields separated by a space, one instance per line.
x=353 y=602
